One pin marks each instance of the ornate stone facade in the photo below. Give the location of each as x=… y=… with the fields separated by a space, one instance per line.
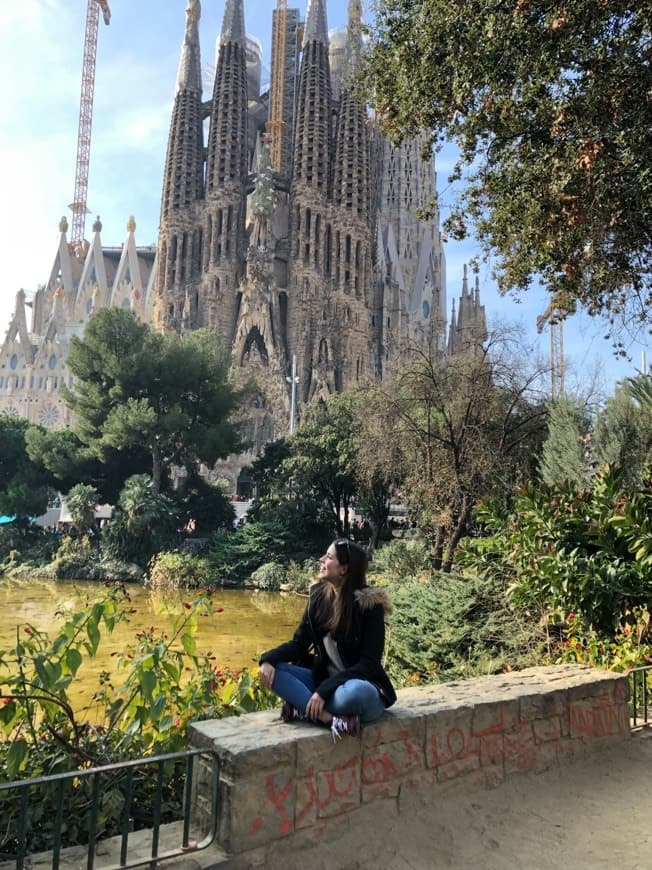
x=33 y=355
x=320 y=257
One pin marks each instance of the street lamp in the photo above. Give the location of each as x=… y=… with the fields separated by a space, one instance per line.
x=294 y=380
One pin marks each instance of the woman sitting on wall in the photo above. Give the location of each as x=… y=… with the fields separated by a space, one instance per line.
x=331 y=670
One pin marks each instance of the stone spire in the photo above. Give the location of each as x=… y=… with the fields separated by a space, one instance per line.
x=183 y=182
x=316 y=29
x=313 y=112
x=223 y=228
x=233 y=25
x=189 y=76
x=354 y=35
x=350 y=195
x=227 y=141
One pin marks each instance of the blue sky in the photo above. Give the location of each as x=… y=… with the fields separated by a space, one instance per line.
x=41 y=45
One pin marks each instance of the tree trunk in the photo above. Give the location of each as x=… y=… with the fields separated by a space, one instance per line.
x=454 y=539
x=156 y=468
x=438 y=548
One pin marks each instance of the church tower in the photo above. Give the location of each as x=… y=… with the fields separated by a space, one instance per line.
x=310 y=220
x=180 y=237
x=226 y=174
x=351 y=224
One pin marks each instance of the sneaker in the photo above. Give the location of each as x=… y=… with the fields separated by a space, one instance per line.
x=345 y=725
x=291 y=714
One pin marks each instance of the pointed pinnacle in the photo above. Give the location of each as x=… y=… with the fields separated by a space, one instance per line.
x=189 y=77
x=233 y=24
x=316 y=24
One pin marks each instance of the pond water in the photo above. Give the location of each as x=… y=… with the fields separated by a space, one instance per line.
x=250 y=623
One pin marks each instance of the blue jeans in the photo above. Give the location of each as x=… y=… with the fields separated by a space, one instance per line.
x=355 y=697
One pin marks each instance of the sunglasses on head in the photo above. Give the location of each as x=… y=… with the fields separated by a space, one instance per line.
x=344 y=542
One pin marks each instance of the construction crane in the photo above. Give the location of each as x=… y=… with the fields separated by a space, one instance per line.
x=553 y=320
x=78 y=205
x=275 y=126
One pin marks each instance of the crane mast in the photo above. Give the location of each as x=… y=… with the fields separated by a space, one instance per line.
x=78 y=205
x=555 y=324
x=275 y=126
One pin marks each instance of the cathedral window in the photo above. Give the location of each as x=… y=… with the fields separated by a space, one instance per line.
x=182 y=259
x=327 y=250
x=317 y=239
x=52 y=362
x=172 y=262
x=347 y=250
x=13 y=363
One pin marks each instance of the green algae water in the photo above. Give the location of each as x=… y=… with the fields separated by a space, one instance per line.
x=249 y=623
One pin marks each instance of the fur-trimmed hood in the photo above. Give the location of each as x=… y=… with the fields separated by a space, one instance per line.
x=370 y=596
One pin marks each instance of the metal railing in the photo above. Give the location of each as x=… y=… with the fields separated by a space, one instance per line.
x=639 y=696
x=29 y=791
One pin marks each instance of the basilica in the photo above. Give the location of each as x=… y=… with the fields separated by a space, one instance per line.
x=289 y=228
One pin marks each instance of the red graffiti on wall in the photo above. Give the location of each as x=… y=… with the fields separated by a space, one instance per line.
x=277 y=795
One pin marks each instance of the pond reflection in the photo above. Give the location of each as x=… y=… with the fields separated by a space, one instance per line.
x=250 y=622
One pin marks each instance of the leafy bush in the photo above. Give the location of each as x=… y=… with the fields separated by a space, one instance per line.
x=269 y=576
x=26 y=544
x=166 y=685
x=234 y=556
x=402 y=559
x=175 y=570
x=451 y=627
x=588 y=552
x=298 y=577
x=628 y=647
x=76 y=558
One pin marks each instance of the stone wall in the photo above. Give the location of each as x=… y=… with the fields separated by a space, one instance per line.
x=286 y=787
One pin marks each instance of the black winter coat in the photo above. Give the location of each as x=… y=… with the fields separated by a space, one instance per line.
x=361 y=656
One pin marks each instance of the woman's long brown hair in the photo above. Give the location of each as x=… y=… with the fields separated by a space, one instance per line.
x=335 y=609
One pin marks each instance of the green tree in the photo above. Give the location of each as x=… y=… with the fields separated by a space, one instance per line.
x=142 y=522
x=468 y=431
x=81 y=501
x=24 y=486
x=202 y=503
x=62 y=454
x=378 y=458
x=269 y=484
x=168 y=395
x=623 y=436
x=322 y=460
x=564 y=456
x=549 y=105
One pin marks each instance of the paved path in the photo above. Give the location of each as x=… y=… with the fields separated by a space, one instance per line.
x=592 y=815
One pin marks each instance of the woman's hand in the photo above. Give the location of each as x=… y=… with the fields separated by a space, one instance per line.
x=315 y=707
x=266 y=673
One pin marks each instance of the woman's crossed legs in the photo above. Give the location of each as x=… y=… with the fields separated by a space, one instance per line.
x=353 y=698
